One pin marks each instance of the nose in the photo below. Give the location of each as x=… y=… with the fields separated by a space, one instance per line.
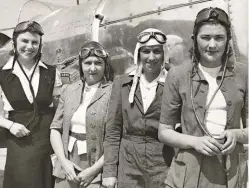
x=151 y=56
x=29 y=45
x=92 y=67
x=212 y=43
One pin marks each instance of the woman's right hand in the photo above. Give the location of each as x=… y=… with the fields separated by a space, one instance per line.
x=207 y=146
x=109 y=182
x=69 y=170
x=19 y=130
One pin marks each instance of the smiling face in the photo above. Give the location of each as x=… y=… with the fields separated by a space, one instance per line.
x=27 y=46
x=151 y=59
x=211 y=42
x=93 y=69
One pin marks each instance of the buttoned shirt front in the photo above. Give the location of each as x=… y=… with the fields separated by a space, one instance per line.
x=177 y=108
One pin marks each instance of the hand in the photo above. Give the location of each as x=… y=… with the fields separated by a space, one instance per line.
x=109 y=182
x=87 y=176
x=69 y=170
x=207 y=146
x=19 y=130
x=231 y=141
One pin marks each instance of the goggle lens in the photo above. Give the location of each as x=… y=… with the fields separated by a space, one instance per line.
x=85 y=52
x=146 y=36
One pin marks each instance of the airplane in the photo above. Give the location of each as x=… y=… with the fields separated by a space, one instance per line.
x=116 y=23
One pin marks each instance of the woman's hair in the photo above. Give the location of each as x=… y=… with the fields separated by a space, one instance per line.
x=108 y=72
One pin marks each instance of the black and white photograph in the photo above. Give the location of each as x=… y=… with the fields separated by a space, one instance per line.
x=124 y=94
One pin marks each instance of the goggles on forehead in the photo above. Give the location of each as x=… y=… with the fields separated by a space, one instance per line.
x=146 y=36
x=24 y=26
x=86 y=52
x=212 y=14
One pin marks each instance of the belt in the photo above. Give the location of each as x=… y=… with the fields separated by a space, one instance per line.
x=78 y=136
x=139 y=138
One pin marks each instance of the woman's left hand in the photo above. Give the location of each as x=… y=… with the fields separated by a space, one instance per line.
x=231 y=141
x=87 y=176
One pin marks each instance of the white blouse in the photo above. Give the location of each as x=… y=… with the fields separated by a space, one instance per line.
x=148 y=89
x=216 y=114
x=78 y=121
x=24 y=82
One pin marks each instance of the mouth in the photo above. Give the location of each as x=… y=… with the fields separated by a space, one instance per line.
x=27 y=52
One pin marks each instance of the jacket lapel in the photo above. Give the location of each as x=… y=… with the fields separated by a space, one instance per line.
x=99 y=93
x=76 y=97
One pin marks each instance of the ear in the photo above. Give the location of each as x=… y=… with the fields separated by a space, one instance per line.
x=192 y=37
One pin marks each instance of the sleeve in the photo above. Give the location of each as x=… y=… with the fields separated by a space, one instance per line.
x=113 y=131
x=1 y=103
x=171 y=101
x=57 y=83
x=58 y=117
x=244 y=112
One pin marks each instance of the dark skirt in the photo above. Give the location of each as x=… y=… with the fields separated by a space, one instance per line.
x=28 y=163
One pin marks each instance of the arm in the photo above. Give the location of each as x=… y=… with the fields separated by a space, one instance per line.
x=57 y=88
x=56 y=141
x=114 y=127
x=16 y=129
x=171 y=115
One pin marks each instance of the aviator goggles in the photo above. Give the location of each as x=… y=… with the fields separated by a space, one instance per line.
x=86 y=52
x=146 y=36
x=212 y=14
x=23 y=26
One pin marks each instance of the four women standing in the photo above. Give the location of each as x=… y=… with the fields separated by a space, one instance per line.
x=208 y=96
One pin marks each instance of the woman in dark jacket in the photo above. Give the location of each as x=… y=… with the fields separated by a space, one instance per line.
x=133 y=155
x=28 y=86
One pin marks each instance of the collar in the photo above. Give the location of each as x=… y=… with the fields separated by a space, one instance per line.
x=160 y=79
x=198 y=76
x=9 y=64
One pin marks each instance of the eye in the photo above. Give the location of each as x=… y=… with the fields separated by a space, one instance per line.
x=220 y=38
x=145 y=51
x=25 y=40
x=87 y=62
x=35 y=42
x=98 y=63
x=158 y=51
x=205 y=37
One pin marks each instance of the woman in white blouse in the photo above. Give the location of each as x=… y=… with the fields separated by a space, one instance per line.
x=78 y=127
x=27 y=87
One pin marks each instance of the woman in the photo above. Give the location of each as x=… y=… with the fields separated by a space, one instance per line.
x=133 y=154
x=78 y=127
x=28 y=86
x=208 y=96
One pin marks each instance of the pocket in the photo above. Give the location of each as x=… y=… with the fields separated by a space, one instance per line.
x=176 y=175
x=243 y=169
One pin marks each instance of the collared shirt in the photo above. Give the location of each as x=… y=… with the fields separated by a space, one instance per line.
x=177 y=105
x=78 y=121
x=24 y=82
x=148 y=90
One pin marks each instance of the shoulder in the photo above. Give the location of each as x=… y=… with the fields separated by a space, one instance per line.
x=180 y=71
x=71 y=87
